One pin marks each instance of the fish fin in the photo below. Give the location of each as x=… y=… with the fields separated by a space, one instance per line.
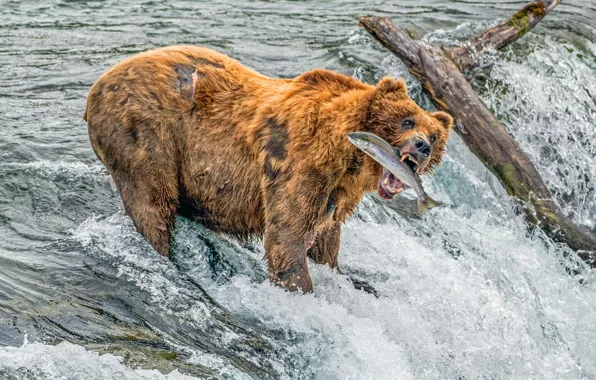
x=431 y=203
x=423 y=207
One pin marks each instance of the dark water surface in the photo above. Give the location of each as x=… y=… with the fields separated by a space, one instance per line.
x=466 y=293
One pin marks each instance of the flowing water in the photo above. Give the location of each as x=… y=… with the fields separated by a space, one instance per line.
x=466 y=293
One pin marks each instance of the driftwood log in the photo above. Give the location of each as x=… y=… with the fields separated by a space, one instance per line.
x=441 y=72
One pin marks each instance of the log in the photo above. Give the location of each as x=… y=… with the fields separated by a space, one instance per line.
x=503 y=34
x=486 y=137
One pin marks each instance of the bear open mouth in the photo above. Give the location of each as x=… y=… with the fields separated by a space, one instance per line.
x=389 y=186
x=411 y=161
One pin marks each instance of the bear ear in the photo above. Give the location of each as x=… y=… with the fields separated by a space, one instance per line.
x=389 y=85
x=444 y=118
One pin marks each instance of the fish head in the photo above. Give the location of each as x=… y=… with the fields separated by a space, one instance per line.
x=418 y=135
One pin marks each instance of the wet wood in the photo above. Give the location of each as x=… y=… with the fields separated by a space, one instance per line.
x=503 y=34
x=481 y=131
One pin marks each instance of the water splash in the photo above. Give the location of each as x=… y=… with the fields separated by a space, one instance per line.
x=547 y=99
x=466 y=292
x=503 y=306
x=37 y=361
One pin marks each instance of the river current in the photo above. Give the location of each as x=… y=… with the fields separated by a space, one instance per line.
x=468 y=292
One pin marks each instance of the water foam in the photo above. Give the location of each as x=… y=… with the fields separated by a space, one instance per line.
x=547 y=99
x=465 y=293
x=501 y=306
x=66 y=361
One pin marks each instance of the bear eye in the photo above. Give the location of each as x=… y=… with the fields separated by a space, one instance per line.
x=407 y=124
x=432 y=138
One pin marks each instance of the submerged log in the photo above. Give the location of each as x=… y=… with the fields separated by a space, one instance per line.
x=440 y=70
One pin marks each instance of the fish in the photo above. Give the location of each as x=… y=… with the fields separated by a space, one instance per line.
x=388 y=156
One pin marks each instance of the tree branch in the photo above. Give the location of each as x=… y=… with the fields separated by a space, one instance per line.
x=482 y=132
x=503 y=34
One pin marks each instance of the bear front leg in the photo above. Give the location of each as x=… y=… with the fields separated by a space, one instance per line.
x=288 y=233
x=325 y=249
x=286 y=256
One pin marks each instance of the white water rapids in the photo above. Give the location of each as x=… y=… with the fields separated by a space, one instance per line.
x=466 y=293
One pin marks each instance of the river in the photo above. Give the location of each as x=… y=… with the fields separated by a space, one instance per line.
x=468 y=292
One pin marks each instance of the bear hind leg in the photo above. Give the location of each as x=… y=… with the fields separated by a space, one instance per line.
x=152 y=210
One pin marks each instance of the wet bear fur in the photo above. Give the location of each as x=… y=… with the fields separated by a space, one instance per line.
x=186 y=130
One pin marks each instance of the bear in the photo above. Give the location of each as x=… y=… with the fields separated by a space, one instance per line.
x=185 y=130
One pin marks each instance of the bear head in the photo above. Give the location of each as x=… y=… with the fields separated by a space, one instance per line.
x=419 y=135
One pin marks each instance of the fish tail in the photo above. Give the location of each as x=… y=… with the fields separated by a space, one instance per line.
x=424 y=206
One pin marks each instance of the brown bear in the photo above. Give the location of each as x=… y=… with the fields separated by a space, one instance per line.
x=187 y=130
